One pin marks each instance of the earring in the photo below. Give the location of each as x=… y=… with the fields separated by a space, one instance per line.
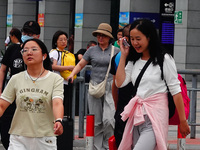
x=43 y=58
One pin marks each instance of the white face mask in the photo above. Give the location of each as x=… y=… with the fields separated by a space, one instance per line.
x=26 y=37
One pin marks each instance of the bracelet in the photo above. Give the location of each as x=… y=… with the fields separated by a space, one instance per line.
x=59 y=120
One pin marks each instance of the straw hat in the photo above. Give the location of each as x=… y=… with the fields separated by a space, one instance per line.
x=105 y=29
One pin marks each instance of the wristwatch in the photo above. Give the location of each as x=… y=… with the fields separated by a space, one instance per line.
x=59 y=120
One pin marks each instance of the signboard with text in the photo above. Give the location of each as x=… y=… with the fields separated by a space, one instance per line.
x=154 y=17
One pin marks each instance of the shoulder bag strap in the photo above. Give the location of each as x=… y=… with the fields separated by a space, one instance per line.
x=141 y=73
x=112 y=53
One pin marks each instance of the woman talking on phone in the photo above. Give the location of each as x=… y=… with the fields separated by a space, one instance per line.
x=147 y=126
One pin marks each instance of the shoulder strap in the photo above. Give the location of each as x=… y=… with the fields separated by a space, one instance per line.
x=142 y=72
x=57 y=51
x=58 y=55
x=112 y=53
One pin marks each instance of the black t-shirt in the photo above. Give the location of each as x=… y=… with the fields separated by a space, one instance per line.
x=124 y=94
x=82 y=52
x=13 y=59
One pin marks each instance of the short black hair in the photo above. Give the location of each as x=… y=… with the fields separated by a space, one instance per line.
x=120 y=30
x=126 y=31
x=17 y=33
x=31 y=27
x=56 y=36
x=91 y=42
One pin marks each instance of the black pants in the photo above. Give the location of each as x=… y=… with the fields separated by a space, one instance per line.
x=119 y=130
x=68 y=89
x=5 y=121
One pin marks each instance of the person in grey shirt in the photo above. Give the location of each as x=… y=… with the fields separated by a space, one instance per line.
x=103 y=108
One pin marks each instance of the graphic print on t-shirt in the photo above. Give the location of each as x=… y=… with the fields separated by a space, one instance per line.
x=32 y=104
x=17 y=63
x=31 y=100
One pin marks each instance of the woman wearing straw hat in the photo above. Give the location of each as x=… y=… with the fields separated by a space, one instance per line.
x=103 y=107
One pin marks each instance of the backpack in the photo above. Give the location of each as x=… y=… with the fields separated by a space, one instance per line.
x=67 y=59
x=173 y=114
x=174 y=117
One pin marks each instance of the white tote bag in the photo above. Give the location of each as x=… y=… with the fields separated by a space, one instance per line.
x=97 y=90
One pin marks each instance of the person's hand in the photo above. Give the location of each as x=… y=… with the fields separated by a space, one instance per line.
x=58 y=128
x=70 y=68
x=124 y=49
x=184 y=128
x=70 y=78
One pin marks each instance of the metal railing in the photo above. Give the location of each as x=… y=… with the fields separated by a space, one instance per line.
x=193 y=98
x=81 y=82
x=83 y=93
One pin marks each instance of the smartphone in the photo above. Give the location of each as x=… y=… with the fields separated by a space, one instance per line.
x=125 y=43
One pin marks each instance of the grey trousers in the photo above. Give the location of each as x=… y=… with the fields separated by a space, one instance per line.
x=143 y=136
x=103 y=108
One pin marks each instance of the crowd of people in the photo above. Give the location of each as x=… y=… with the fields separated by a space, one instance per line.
x=35 y=99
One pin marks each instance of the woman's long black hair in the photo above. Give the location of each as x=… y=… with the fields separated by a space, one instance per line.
x=156 y=51
x=47 y=64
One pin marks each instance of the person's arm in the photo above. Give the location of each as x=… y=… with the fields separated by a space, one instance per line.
x=58 y=111
x=3 y=105
x=184 y=128
x=80 y=56
x=82 y=63
x=61 y=68
x=173 y=84
x=114 y=92
x=121 y=75
x=2 y=75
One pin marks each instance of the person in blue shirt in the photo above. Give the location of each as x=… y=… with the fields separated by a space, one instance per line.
x=121 y=96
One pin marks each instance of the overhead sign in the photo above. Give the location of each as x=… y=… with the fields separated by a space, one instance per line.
x=178 y=17
x=154 y=17
x=167 y=8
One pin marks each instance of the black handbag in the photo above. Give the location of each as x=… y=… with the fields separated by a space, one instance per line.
x=171 y=105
